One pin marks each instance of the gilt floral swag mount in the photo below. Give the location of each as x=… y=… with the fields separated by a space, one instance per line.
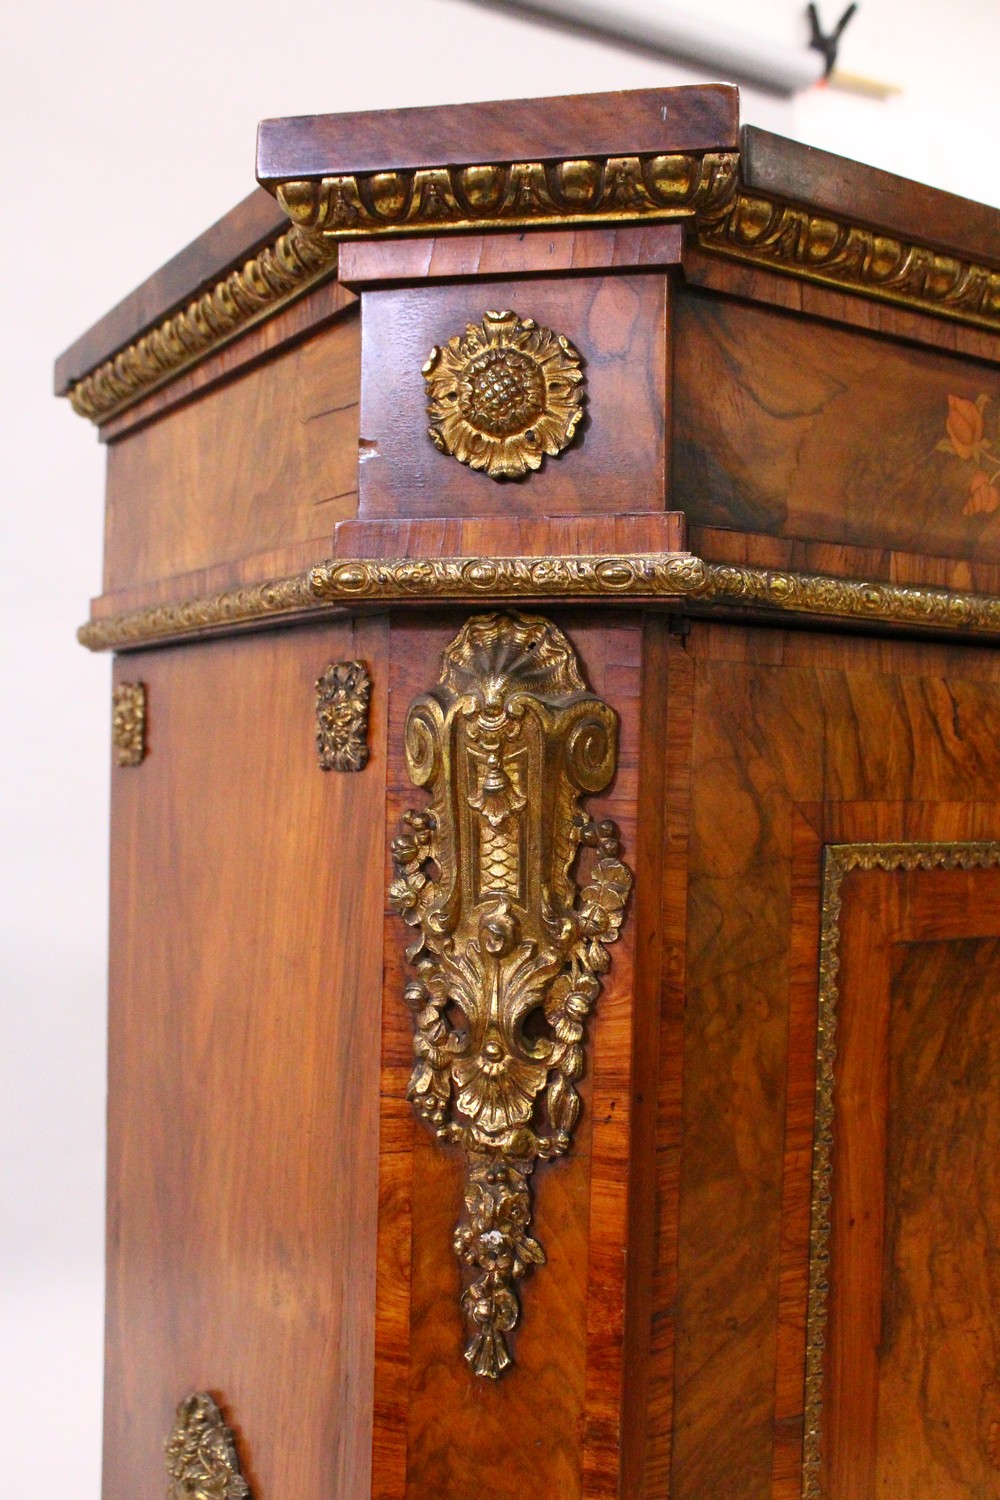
x=509 y=950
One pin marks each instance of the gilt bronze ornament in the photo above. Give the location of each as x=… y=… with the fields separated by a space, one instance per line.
x=504 y=395
x=342 y=697
x=128 y=723
x=201 y=1456
x=665 y=579
x=506 y=745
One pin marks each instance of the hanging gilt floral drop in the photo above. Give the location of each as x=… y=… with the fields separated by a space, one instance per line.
x=504 y=395
x=515 y=895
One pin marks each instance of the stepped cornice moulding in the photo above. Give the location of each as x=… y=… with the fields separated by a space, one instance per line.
x=703 y=190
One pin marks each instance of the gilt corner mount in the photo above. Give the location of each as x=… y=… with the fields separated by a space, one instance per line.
x=505 y=744
x=201 y=1454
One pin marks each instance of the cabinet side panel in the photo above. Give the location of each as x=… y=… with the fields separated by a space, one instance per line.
x=245 y=983
x=266 y=461
x=791 y=426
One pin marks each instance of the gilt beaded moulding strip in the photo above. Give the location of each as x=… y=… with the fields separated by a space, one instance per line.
x=514 y=194
x=280 y=272
x=839 y=860
x=656 y=578
x=783 y=237
x=704 y=189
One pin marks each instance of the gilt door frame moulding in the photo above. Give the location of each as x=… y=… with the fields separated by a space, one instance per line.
x=839 y=860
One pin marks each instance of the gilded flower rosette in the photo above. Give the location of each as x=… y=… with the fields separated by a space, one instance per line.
x=503 y=395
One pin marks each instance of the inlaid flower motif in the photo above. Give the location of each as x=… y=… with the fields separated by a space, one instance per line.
x=504 y=395
x=967 y=440
x=984 y=494
x=965 y=425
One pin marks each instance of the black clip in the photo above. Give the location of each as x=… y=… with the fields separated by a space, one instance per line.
x=828 y=45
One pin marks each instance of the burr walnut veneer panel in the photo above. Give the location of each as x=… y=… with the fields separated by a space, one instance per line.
x=245 y=982
x=795 y=427
x=913 y=1388
x=779 y=743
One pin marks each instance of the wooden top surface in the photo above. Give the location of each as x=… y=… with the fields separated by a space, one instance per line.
x=700 y=118
x=255 y=221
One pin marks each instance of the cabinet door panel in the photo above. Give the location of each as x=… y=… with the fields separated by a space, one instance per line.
x=911 y=1399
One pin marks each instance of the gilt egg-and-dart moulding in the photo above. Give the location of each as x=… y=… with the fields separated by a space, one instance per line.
x=503 y=395
x=514 y=895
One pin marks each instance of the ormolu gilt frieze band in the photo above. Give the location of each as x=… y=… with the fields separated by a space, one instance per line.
x=275 y=275
x=702 y=189
x=508 y=950
x=836 y=253
x=656 y=578
x=201 y=1455
x=514 y=194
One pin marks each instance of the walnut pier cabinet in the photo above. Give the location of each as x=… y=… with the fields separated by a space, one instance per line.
x=553 y=561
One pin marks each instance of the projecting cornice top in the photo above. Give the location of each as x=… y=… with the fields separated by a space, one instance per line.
x=704 y=117
x=586 y=160
x=587 y=157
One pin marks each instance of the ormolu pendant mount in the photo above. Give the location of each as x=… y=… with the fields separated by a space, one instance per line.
x=506 y=745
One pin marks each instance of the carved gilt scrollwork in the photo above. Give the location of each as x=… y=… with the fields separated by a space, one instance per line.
x=506 y=745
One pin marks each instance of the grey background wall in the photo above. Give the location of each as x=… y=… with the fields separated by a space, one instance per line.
x=127 y=128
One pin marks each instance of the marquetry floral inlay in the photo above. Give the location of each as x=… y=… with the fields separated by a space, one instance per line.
x=504 y=395
x=967 y=440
